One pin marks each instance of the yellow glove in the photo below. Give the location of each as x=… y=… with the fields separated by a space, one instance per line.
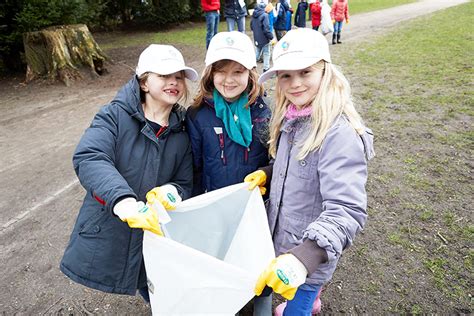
x=257 y=178
x=347 y=21
x=333 y=21
x=138 y=215
x=284 y=274
x=167 y=195
x=273 y=42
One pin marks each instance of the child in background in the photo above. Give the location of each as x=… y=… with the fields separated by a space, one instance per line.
x=339 y=12
x=283 y=15
x=321 y=147
x=228 y=121
x=300 y=15
x=262 y=33
x=134 y=144
x=315 y=9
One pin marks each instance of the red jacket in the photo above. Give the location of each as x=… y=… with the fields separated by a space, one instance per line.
x=315 y=13
x=340 y=10
x=210 y=5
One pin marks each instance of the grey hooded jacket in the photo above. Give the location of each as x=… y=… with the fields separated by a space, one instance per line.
x=119 y=155
x=322 y=197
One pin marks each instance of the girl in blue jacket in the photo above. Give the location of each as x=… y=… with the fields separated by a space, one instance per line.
x=320 y=147
x=228 y=121
x=134 y=144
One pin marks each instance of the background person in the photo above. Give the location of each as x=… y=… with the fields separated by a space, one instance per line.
x=262 y=33
x=315 y=9
x=235 y=12
x=134 y=144
x=339 y=12
x=211 y=11
x=320 y=148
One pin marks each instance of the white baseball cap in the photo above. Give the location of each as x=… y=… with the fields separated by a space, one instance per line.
x=233 y=45
x=298 y=49
x=163 y=60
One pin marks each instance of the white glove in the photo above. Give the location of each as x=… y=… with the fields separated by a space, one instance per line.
x=138 y=215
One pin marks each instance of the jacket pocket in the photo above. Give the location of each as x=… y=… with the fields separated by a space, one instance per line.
x=92 y=225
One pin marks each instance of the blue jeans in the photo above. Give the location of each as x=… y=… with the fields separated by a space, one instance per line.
x=212 y=24
x=302 y=304
x=265 y=51
x=338 y=27
x=240 y=24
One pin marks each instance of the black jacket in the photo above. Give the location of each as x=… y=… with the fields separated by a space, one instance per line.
x=233 y=9
x=260 y=26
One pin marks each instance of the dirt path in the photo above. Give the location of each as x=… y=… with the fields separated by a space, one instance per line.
x=40 y=195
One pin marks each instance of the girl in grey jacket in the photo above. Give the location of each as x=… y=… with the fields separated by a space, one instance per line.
x=320 y=148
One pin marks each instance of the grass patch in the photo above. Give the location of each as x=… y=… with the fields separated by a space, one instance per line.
x=415 y=86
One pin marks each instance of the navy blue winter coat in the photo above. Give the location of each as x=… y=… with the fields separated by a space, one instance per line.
x=300 y=15
x=283 y=11
x=119 y=155
x=260 y=26
x=232 y=9
x=219 y=161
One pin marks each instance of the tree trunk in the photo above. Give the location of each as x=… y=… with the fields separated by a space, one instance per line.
x=59 y=52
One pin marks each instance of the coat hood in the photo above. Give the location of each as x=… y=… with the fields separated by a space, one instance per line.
x=128 y=98
x=259 y=10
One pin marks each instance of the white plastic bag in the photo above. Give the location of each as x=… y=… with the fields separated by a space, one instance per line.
x=218 y=244
x=326 y=21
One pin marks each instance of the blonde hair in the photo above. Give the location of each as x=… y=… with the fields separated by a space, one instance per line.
x=206 y=85
x=332 y=100
x=144 y=77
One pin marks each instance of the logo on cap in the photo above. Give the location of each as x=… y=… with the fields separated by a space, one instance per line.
x=229 y=41
x=172 y=52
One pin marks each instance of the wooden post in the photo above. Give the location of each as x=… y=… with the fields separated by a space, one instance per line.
x=59 y=52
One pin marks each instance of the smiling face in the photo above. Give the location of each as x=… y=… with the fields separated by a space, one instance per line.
x=300 y=86
x=231 y=80
x=164 y=90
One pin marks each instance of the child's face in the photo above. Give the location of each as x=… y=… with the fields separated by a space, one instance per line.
x=164 y=89
x=300 y=86
x=231 y=80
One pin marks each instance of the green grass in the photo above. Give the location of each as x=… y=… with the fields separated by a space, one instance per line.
x=416 y=89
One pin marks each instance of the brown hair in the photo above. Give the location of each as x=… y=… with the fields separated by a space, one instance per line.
x=144 y=77
x=206 y=85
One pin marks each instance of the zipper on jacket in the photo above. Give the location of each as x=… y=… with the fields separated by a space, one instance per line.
x=221 y=145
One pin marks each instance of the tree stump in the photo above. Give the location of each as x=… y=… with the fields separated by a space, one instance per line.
x=59 y=52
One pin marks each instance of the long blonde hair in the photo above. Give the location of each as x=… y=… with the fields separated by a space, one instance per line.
x=206 y=85
x=332 y=100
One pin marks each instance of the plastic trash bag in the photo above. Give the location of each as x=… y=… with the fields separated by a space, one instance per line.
x=217 y=245
x=326 y=21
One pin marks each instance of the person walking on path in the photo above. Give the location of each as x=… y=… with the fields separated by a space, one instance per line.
x=134 y=144
x=300 y=14
x=320 y=146
x=262 y=33
x=211 y=11
x=339 y=12
x=235 y=12
x=315 y=9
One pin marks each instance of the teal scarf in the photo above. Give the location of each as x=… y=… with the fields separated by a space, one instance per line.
x=236 y=118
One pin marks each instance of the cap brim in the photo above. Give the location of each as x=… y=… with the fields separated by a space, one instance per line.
x=189 y=72
x=232 y=55
x=291 y=64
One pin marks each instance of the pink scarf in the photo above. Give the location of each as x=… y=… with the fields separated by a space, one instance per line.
x=292 y=112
